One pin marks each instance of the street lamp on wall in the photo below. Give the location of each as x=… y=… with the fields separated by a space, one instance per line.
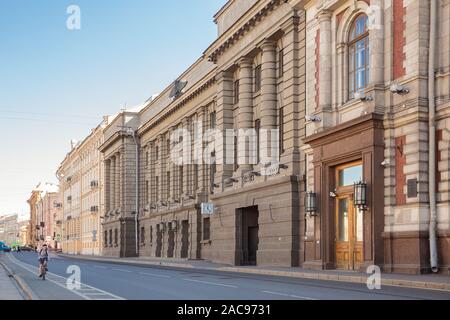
x=360 y=195
x=311 y=203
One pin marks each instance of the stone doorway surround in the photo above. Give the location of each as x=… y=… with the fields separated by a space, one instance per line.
x=246 y=245
x=359 y=139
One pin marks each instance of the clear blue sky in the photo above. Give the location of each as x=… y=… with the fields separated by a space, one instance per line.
x=56 y=84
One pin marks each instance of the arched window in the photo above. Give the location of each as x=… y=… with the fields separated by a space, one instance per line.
x=358 y=56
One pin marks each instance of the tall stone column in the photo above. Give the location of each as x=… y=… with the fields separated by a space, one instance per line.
x=187 y=159
x=325 y=69
x=225 y=120
x=245 y=111
x=152 y=173
x=117 y=181
x=376 y=60
x=107 y=186
x=204 y=167
x=268 y=97
x=171 y=166
x=160 y=171
x=112 y=180
x=292 y=92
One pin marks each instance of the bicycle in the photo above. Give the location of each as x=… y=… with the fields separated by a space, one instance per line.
x=42 y=268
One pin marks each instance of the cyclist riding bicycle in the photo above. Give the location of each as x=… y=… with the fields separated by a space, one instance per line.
x=43 y=261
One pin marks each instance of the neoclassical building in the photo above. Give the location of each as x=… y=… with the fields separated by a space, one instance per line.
x=349 y=166
x=81 y=182
x=380 y=85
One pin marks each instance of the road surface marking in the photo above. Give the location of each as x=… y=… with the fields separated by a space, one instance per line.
x=61 y=281
x=100 y=267
x=121 y=270
x=211 y=283
x=154 y=275
x=288 y=295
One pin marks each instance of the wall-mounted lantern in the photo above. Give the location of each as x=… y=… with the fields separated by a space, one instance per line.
x=311 y=203
x=360 y=195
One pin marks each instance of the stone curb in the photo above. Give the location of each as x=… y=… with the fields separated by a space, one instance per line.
x=30 y=295
x=291 y=274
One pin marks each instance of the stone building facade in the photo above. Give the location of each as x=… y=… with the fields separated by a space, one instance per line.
x=369 y=81
x=81 y=190
x=33 y=226
x=9 y=230
x=47 y=208
x=120 y=155
x=345 y=90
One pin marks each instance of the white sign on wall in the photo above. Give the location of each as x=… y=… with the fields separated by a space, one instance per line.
x=207 y=208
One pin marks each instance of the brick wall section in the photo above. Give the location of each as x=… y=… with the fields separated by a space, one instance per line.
x=399 y=25
x=339 y=17
x=317 y=67
x=400 y=177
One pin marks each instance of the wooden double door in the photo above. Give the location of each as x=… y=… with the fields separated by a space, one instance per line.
x=349 y=233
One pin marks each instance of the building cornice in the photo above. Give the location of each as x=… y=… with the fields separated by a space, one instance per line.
x=346 y=129
x=178 y=105
x=221 y=45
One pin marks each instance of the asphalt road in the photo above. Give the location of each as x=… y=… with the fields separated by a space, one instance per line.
x=107 y=281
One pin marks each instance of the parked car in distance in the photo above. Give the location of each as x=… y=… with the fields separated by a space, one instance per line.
x=26 y=248
x=4 y=247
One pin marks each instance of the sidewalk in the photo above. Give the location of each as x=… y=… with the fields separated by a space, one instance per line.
x=427 y=281
x=8 y=289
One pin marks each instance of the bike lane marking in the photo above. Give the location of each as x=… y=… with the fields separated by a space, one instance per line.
x=62 y=282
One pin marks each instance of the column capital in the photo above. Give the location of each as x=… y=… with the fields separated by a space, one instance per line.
x=269 y=45
x=185 y=121
x=223 y=75
x=324 y=16
x=292 y=23
x=245 y=62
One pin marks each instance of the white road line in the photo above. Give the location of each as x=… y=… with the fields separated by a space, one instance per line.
x=121 y=270
x=154 y=275
x=61 y=281
x=100 y=267
x=211 y=283
x=288 y=295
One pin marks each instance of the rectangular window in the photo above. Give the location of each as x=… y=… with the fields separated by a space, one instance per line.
x=195 y=182
x=106 y=238
x=258 y=141
x=146 y=192
x=281 y=129
x=280 y=63
x=206 y=229
x=110 y=237
x=236 y=165
x=168 y=184
x=236 y=92
x=146 y=159
x=181 y=180
x=212 y=171
x=142 y=235
x=350 y=175
x=257 y=78
x=151 y=234
x=156 y=188
x=116 y=236
x=157 y=153
x=212 y=120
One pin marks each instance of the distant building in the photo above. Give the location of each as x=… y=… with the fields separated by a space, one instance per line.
x=9 y=230
x=81 y=180
x=24 y=227
x=44 y=204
